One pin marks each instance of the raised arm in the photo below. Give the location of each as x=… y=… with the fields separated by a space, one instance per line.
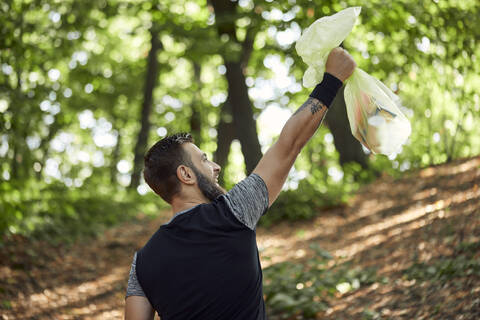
x=279 y=159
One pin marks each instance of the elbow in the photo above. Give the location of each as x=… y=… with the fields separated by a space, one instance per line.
x=293 y=146
x=289 y=147
x=292 y=139
x=297 y=147
x=288 y=143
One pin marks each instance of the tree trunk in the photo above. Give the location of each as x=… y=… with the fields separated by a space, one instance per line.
x=45 y=144
x=196 y=118
x=225 y=136
x=245 y=126
x=115 y=159
x=347 y=145
x=151 y=77
x=242 y=113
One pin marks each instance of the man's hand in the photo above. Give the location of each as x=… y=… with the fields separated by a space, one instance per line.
x=340 y=64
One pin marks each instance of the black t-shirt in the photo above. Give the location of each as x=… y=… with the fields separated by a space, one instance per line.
x=204 y=263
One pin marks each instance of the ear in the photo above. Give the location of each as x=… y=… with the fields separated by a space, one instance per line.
x=186 y=175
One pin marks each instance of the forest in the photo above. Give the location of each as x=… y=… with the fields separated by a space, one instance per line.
x=86 y=87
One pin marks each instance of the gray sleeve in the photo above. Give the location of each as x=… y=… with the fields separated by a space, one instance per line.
x=248 y=200
x=133 y=287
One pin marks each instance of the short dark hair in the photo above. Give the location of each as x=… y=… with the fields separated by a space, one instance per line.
x=162 y=161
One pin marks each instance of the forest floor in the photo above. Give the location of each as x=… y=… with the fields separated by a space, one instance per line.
x=420 y=232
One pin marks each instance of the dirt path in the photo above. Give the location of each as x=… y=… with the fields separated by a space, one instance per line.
x=421 y=218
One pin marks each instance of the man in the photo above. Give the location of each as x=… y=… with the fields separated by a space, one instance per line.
x=204 y=263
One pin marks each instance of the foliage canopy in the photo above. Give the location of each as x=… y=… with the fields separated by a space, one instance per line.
x=72 y=75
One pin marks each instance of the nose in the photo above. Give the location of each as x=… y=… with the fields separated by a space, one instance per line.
x=216 y=168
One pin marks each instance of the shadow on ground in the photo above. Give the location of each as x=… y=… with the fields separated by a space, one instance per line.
x=392 y=225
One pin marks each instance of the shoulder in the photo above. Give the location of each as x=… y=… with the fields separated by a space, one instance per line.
x=248 y=200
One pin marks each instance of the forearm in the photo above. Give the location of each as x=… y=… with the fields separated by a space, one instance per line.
x=302 y=124
x=305 y=121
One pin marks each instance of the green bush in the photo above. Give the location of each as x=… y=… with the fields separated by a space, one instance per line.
x=58 y=213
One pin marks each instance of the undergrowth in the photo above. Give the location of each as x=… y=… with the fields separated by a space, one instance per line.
x=55 y=213
x=461 y=263
x=302 y=289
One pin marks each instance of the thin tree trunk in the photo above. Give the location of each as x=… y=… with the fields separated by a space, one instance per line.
x=17 y=139
x=150 y=81
x=45 y=145
x=225 y=136
x=458 y=127
x=348 y=147
x=196 y=118
x=115 y=159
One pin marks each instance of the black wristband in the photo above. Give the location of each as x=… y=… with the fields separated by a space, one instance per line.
x=326 y=90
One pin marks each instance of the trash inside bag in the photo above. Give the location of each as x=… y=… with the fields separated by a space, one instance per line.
x=374 y=116
x=373 y=109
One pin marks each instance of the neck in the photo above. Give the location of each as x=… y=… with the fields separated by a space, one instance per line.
x=181 y=204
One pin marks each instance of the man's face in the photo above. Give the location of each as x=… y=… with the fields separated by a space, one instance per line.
x=206 y=172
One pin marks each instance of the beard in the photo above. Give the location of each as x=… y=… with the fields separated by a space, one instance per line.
x=209 y=188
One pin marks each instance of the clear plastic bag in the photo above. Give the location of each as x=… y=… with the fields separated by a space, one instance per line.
x=373 y=109
x=374 y=116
